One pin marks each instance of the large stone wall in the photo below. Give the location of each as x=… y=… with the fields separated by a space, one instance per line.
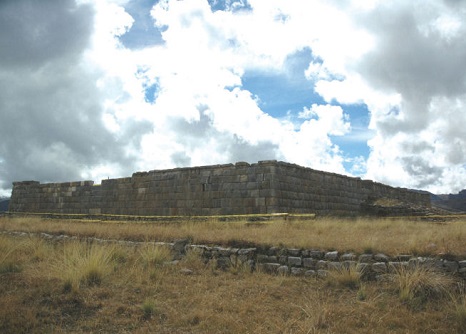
x=242 y=188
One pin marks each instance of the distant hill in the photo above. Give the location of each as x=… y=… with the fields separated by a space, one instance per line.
x=450 y=202
x=4 y=204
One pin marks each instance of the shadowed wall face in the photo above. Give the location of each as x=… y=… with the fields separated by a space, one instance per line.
x=264 y=187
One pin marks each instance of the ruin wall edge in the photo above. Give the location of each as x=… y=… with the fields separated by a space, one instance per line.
x=241 y=188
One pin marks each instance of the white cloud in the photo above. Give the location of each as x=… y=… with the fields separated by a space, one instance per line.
x=403 y=60
x=198 y=70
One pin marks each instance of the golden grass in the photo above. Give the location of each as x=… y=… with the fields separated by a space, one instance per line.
x=416 y=284
x=152 y=254
x=8 y=263
x=390 y=236
x=345 y=277
x=82 y=263
x=459 y=310
x=133 y=297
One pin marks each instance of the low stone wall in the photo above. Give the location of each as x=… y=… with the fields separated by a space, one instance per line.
x=291 y=261
x=311 y=262
x=243 y=188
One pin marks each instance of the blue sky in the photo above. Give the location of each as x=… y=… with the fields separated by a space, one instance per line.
x=368 y=88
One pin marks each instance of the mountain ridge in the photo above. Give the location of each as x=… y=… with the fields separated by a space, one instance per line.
x=4 y=202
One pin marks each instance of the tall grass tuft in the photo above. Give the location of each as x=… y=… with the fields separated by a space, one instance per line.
x=8 y=261
x=459 y=308
x=416 y=284
x=83 y=264
x=38 y=249
x=346 y=277
x=153 y=254
x=148 y=309
x=193 y=260
x=317 y=314
x=460 y=314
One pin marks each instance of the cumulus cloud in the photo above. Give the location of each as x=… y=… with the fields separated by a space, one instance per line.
x=104 y=88
x=413 y=83
x=50 y=106
x=201 y=111
x=419 y=56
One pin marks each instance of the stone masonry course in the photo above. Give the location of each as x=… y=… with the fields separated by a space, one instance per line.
x=242 y=188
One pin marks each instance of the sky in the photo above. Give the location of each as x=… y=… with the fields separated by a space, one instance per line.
x=97 y=89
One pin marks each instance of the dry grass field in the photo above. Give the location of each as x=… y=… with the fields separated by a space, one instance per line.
x=389 y=236
x=76 y=286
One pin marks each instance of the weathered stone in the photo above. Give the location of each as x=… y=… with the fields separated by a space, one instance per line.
x=224 y=251
x=223 y=263
x=349 y=264
x=294 y=261
x=208 y=253
x=310 y=273
x=383 y=278
x=403 y=257
x=381 y=258
x=246 y=254
x=297 y=271
x=180 y=246
x=261 y=258
x=283 y=270
x=366 y=258
x=462 y=272
x=234 y=251
x=425 y=262
x=414 y=262
x=433 y=263
x=282 y=252
x=321 y=264
x=379 y=267
x=294 y=252
x=334 y=266
x=309 y=262
x=362 y=267
x=273 y=251
x=247 y=251
x=316 y=254
x=397 y=266
x=283 y=259
x=200 y=249
x=450 y=266
x=348 y=257
x=272 y=259
x=462 y=264
x=331 y=256
x=322 y=273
